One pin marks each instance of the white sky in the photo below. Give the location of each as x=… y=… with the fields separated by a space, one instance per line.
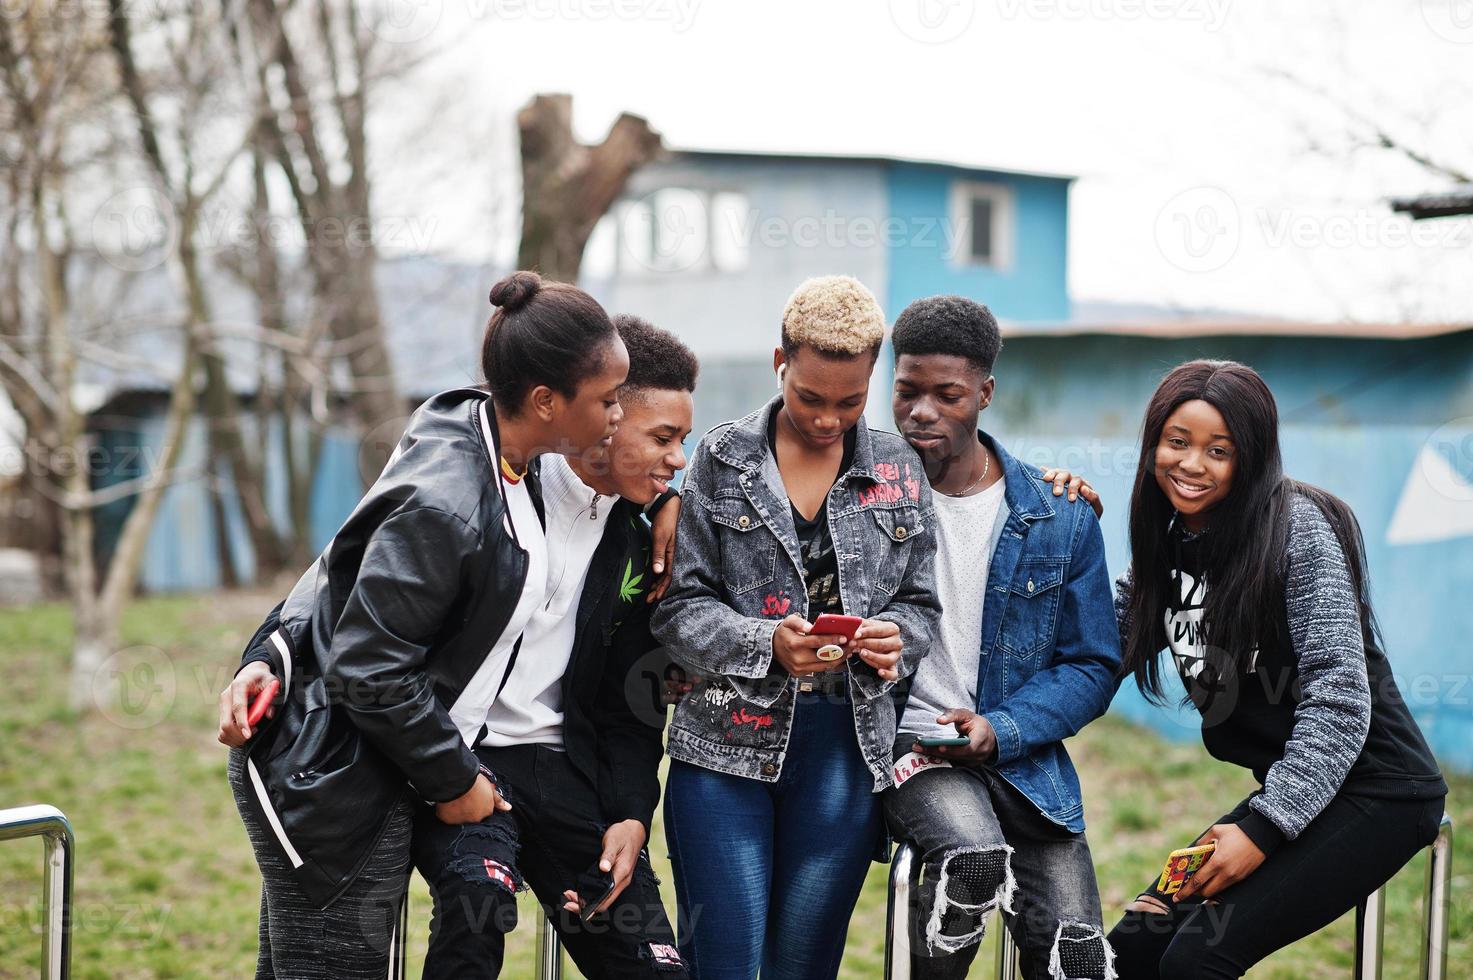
x=1174 y=114
x=1171 y=112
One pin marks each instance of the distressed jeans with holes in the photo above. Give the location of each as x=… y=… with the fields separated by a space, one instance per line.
x=552 y=835
x=984 y=846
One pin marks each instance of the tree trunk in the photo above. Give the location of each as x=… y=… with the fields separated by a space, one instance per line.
x=221 y=406
x=567 y=186
x=343 y=269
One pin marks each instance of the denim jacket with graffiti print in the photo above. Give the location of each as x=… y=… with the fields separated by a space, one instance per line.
x=739 y=571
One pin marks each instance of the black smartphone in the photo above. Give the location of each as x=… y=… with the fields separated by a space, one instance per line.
x=594 y=887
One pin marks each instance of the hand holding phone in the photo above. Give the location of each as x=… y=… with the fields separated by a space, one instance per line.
x=828 y=624
x=240 y=703
x=1181 y=865
x=796 y=645
x=262 y=704
x=974 y=744
x=833 y=623
x=932 y=741
x=594 y=888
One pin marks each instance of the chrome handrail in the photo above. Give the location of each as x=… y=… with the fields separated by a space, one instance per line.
x=549 y=951
x=41 y=820
x=905 y=872
x=1370 y=915
x=1438 y=895
x=1009 y=957
x=905 y=875
x=1370 y=930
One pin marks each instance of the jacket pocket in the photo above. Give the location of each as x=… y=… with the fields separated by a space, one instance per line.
x=715 y=711
x=898 y=527
x=748 y=557
x=1032 y=610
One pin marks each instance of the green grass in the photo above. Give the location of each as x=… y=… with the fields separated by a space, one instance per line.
x=166 y=885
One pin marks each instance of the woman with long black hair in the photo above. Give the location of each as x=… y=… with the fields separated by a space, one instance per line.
x=392 y=648
x=1257 y=585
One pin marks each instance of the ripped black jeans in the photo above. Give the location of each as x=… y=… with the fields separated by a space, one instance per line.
x=553 y=833
x=984 y=846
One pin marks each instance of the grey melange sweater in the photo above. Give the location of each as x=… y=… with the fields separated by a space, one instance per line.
x=1314 y=719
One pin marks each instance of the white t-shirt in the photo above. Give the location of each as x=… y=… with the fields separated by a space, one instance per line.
x=947 y=676
x=469 y=710
x=530 y=709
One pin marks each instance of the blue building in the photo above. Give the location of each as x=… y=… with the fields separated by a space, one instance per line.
x=712 y=243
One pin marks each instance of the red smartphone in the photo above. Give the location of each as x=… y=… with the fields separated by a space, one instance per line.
x=262 y=702
x=829 y=624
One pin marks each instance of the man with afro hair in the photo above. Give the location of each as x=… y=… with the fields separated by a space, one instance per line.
x=984 y=789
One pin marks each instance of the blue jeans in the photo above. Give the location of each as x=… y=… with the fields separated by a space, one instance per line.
x=767 y=874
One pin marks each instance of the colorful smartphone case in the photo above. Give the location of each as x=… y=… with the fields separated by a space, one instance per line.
x=1181 y=865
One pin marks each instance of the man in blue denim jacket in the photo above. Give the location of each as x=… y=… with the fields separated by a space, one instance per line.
x=1027 y=655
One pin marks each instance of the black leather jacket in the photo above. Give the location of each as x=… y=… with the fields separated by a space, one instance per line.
x=377 y=641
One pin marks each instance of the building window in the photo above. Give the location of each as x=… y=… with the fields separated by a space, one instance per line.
x=982 y=224
x=673 y=229
x=731 y=231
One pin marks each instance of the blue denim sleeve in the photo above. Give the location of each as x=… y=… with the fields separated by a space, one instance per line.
x=1079 y=681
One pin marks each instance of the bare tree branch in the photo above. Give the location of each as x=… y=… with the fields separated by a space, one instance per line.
x=1373 y=133
x=28 y=372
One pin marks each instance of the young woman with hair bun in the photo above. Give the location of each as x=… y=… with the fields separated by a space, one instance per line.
x=391 y=649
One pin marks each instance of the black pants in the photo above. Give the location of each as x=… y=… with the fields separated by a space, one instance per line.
x=553 y=834
x=354 y=938
x=1354 y=846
